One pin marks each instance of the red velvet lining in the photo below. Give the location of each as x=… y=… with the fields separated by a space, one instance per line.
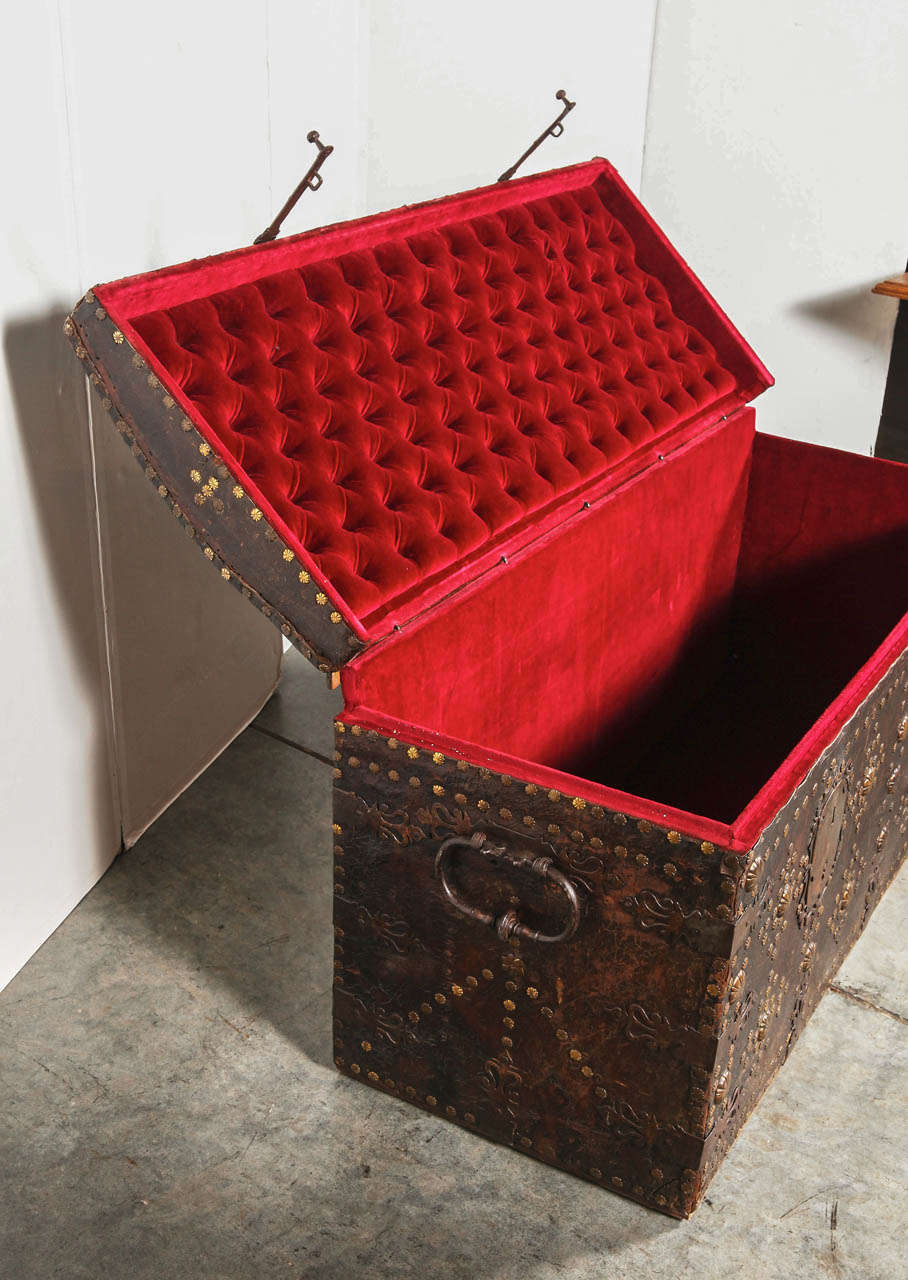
x=409 y=395
x=737 y=603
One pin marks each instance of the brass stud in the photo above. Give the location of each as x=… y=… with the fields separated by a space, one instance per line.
x=209 y=554
x=456 y=990
x=707 y=847
x=487 y=974
x=507 y=1042
x=373 y=767
x=412 y=753
x=644 y=827
x=532 y=993
x=373 y=1076
x=238 y=491
x=440 y=998
x=414 y=782
x=225 y=574
x=674 y=837
x=287 y=554
x=561 y=1033
x=303 y=575
x=336 y=617
x=460 y=798
x=508 y=1022
x=469 y=1117
x=595 y=1173
x=472 y=982
x=321 y=598
x=393 y=744
x=204 y=448
x=586 y=1071
x=575 y=1055
x=554 y=795
x=482 y=804
x=431 y=1099
x=255 y=514
x=437 y=757
x=426 y=1007
x=365 y=1046
x=195 y=476
x=393 y=775
x=530 y=788
x=354 y=762
x=553 y=828
x=413 y=1016
x=528 y=821
x=509 y=1005
x=578 y=803
x=506 y=814
x=355 y=1068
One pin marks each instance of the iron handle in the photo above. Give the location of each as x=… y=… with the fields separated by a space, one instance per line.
x=507 y=925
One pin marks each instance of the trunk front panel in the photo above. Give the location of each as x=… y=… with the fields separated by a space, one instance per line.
x=594 y=1053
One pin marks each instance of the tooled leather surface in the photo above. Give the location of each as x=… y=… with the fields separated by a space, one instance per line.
x=405 y=405
x=632 y=1054
x=593 y=1054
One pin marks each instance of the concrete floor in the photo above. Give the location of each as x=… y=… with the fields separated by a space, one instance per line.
x=168 y=1107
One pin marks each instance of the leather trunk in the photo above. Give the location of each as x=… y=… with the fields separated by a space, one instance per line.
x=619 y=773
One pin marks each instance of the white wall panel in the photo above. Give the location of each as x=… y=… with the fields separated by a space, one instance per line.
x=775 y=160
x=58 y=821
x=457 y=92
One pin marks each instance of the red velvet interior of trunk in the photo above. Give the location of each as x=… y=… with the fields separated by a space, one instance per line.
x=408 y=394
x=681 y=640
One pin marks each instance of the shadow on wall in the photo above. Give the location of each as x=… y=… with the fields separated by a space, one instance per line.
x=855 y=311
x=49 y=399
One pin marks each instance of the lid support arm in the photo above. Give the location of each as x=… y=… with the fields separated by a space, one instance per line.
x=311 y=181
x=554 y=130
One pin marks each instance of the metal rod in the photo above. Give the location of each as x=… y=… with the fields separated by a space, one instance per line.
x=311 y=181
x=555 y=130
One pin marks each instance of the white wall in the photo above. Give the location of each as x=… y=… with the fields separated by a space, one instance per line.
x=138 y=137
x=775 y=159
x=457 y=92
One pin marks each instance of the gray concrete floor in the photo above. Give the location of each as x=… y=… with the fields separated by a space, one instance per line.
x=168 y=1107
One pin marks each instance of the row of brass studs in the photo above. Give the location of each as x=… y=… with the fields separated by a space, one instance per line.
x=405 y=1091
x=506 y=813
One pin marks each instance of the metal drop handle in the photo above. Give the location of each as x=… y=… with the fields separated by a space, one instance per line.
x=507 y=925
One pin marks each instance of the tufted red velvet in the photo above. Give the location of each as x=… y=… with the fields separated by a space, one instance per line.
x=405 y=407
